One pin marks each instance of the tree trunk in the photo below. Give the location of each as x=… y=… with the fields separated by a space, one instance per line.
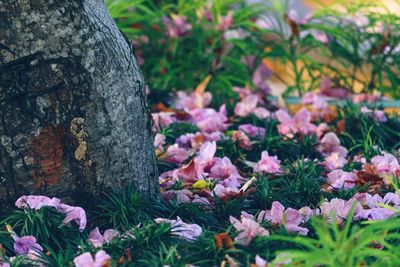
x=74 y=120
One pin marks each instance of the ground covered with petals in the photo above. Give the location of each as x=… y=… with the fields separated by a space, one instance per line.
x=246 y=184
x=245 y=180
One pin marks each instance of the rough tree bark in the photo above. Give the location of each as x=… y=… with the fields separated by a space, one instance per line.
x=74 y=120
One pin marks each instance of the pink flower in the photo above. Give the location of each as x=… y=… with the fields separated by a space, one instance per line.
x=320 y=36
x=366 y=97
x=293 y=15
x=341 y=179
x=335 y=161
x=26 y=245
x=306 y=213
x=330 y=143
x=86 y=259
x=299 y=123
x=208 y=120
x=97 y=239
x=260 y=77
x=221 y=191
x=322 y=128
x=268 y=164
x=185 y=231
x=226 y=171
x=159 y=141
x=328 y=90
x=290 y=218
x=195 y=169
x=36 y=202
x=162 y=119
x=226 y=21
x=376 y=200
x=378 y=115
x=246 y=106
x=318 y=102
x=341 y=208
x=385 y=163
x=196 y=99
x=176 y=27
x=252 y=131
x=206 y=154
x=181 y=196
x=260 y=262
x=261 y=113
x=242 y=138
x=176 y=154
x=376 y=209
x=76 y=214
x=248 y=228
x=374 y=214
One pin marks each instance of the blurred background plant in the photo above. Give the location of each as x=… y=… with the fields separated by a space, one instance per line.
x=280 y=47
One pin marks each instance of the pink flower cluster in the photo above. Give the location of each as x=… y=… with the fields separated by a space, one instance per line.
x=76 y=214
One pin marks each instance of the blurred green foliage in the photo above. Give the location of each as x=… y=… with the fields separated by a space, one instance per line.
x=357 y=47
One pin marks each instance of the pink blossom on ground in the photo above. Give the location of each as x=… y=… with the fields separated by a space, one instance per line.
x=223 y=169
x=335 y=161
x=86 y=259
x=260 y=77
x=320 y=36
x=248 y=228
x=162 y=119
x=375 y=209
x=318 y=102
x=341 y=208
x=194 y=100
x=208 y=120
x=327 y=89
x=246 y=106
x=159 y=141
x=242 y=139
x=37 y=202
x=245 y=92
x=341 y=179
x=378 y=115
x=226 y=21
x=176 y=154
x=184 y=230
x=374 y=214
x=177 y=26
x=181 y=196
x=322 y=128
x=26 y=245
x=290 y=218
x=306 y=213
x=97 y=239
x=268 y=164
x=330 y=143
x=221 y=191
x=261 y=113
x=299 y=123
x=260 y=262
x=294 y=16
x=252 y=131
x=366 y=97
x=194 y=170
x=76 y=214
x=385 y=163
